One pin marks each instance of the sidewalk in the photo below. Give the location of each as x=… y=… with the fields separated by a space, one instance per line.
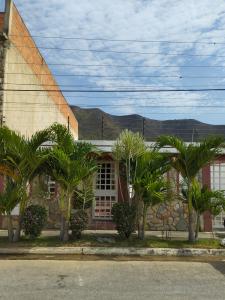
x=175 y=237
x=172 y=234
x=115 y=251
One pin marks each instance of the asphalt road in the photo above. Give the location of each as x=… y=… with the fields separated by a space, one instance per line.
x=120 y=280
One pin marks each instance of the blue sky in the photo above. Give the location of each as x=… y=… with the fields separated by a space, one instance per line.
x=189 y=21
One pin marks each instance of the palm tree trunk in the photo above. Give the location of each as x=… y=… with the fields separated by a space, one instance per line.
x=62 y=226
x=23 y=205
x=191 y=230
x=139 y=217
x=17 y=233
x=197 y=226
x=10 y=227
x=144 y=217
x=66 y=232
x=67 y=221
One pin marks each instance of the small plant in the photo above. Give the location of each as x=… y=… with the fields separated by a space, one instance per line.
x=124 y=216
x=33 y=220
x=78 y=223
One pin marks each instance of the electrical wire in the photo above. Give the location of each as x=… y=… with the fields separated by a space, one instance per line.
x=121 y=40
x=119 y=76
x=119 y=52
x=118 y=66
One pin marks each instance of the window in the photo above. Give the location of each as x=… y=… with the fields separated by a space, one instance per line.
x=105 y=191
x=217 y=176
x=106 y=177
x=217 y=179
x=103 y=206
x=51 y=185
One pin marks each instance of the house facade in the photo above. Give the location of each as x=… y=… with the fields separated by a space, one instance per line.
x=109 y=188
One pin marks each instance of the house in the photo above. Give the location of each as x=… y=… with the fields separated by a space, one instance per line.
x=109 y=189
x=30 y=99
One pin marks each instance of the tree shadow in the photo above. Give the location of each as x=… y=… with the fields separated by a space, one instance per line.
x=219 y=266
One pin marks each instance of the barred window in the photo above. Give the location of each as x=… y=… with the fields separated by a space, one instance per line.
x=103 y=206
x=106 y=177
x=105 y=191
x=217 y=179
x=51 y=186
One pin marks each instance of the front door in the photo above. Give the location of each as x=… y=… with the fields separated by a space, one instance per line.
x=105 y=190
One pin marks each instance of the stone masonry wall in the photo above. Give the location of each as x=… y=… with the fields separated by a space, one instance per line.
x=40 y=196
x=168 y=216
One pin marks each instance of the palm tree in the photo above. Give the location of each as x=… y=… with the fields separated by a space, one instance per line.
x=70 y=163
x=9 y=198
x=128 y=147
x=149 y=184
x=204 y=199
x=22 y=157
x=188 y=161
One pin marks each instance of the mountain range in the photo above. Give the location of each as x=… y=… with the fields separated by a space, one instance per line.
x=95 y=124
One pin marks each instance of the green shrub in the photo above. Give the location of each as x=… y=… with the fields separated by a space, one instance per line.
x=124 y=216
x=78 y=222
x=33 y=220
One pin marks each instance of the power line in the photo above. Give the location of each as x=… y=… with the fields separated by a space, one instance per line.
x=118 y=66
x=111 y=85
x=121 y=40
x=117 y=91
x=118 y=105
x=120 y=76
x=151 y=113
x=120 y=52
x=128 y=98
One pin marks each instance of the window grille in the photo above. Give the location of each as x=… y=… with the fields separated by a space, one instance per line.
x=51 y=186
x=217 y=179
x=105 y=191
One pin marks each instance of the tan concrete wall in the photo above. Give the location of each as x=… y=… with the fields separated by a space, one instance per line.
x=25 y=111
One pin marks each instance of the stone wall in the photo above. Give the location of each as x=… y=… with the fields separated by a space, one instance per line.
x=40 y=196
x=168 y=216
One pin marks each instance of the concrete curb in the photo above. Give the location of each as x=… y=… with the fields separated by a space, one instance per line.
x=114 y=251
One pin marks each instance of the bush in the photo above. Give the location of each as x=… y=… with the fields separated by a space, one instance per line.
x=78 y=222
x=124 y=216
x=33 y=221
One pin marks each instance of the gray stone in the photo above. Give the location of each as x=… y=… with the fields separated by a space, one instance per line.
x=222 y=243
x=106 y=240
x=181 y=225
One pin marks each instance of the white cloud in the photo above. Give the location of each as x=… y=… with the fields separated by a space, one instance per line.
x=175 y=20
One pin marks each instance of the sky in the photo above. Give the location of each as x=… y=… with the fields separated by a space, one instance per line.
x=176 y=44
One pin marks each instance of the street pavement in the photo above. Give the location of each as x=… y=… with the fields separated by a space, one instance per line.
x=119 y=280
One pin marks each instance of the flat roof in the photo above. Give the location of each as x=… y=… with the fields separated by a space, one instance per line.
x=107 y=146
